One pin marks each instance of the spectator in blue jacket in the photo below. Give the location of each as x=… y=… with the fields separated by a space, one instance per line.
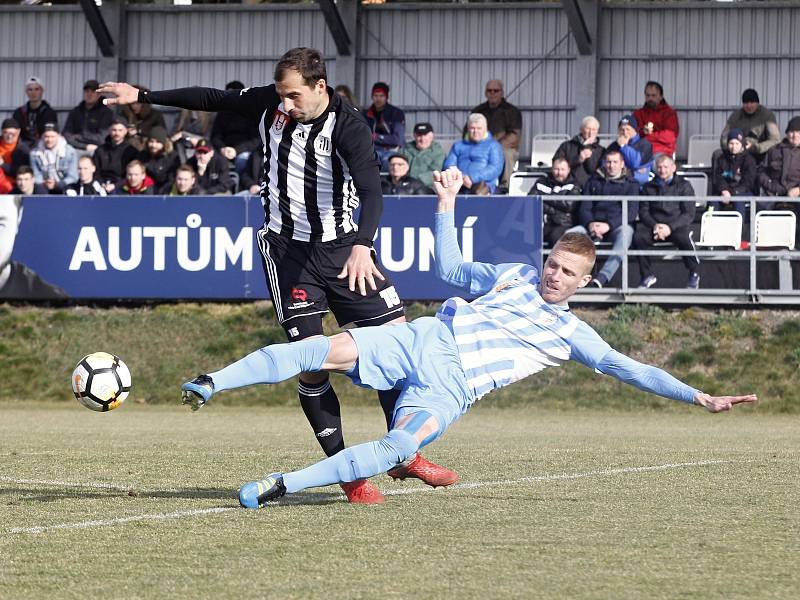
x=54 y=161
x=388 y=124
x=602 y=219
x=636 y=151
x=479 y=158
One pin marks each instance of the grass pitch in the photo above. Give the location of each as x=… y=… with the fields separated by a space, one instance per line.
x=140 y=503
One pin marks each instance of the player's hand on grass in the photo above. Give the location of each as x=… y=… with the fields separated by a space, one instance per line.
x=361 y=269
x=716 y=404
x=122 y=93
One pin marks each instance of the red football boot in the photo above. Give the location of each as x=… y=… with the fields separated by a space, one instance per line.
x=430 y=473
x=362 y=491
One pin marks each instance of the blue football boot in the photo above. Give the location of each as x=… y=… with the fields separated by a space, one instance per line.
x=257 y=493
x=197 y=392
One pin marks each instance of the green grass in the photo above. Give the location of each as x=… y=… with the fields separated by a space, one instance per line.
x=717 y=351
x=722 y=530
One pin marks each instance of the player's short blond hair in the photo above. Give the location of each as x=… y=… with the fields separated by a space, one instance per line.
x=580 y=244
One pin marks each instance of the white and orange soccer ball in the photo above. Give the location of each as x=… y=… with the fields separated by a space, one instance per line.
x=101 y=381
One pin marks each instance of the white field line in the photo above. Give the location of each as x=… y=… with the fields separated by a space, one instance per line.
x=305 y=499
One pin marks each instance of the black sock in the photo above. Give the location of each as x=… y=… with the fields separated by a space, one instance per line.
x=388 y=399
x=321 y=406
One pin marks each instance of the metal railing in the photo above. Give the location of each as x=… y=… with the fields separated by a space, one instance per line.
x=751 y=295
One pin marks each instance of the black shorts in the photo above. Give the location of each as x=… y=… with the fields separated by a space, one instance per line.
x=302 y=280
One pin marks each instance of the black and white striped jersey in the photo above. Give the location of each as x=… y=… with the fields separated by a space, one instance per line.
x=315 y=173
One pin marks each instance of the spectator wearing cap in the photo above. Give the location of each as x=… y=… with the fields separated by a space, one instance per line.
x=114 y=154
x=137 y=182
x=504 y=123
x=34 y=113
x=734 y=175
x=388 y=123
x=233 y=134
x=758 y=124
x=424 y=155
x=213 y=170
x=479 y=158
x=141 y=120
x=54 y=161
x=583 y=152
x=657 y=120
x=88 y=123
x=636 y=151
x=781 y=174
x=185 y=183
x=398 y=182
x=87 y=184
x=160 y=160
x=14 y=153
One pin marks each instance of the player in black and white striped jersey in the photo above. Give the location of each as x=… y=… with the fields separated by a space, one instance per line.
x=319 y=165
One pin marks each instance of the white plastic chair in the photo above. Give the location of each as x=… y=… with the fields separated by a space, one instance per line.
x=544 y=146
x=775 y=229
x=698 y=180
x=701 y=148
x=521 y=183
x=721 y=229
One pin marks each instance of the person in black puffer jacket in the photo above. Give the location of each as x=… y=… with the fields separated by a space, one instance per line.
x=663 y=221
x=160 y=160
x=399 y=182
x=559 y=214
x=734 y=174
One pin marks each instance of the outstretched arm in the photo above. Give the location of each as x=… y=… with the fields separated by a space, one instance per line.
x=474 y=277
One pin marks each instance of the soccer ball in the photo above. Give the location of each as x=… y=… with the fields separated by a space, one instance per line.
x=101 y=381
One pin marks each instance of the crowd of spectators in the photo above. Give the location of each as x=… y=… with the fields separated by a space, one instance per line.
x=100 y=152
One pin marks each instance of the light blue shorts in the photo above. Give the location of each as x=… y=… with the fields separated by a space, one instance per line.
x=420 y=359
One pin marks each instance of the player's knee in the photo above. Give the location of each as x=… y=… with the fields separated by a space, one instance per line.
x=400 y=445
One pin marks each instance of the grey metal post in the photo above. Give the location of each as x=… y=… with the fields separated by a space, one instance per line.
x=584 y=72
x=346 y=65
x=110 y=68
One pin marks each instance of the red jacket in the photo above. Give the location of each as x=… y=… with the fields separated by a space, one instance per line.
x=6 y=185
x=665 y=127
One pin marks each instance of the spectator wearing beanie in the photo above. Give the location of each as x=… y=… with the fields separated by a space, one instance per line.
x=781 y=175
x=734 y=174
x=14 y=153
x=388 y=124
x=160 y=160
x=636 y=151
x=758 y=124
x=398 y=182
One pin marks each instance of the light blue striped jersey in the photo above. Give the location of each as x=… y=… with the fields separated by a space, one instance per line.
x=511 y=332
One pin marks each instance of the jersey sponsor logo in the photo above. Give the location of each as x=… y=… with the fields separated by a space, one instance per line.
x=280 y=120
x=326 y=432
x=390 y=296
x=322 y=145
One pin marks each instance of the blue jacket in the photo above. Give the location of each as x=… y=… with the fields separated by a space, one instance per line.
x=638 y=157
x=388 y=126
x=61 y=163
x=608 y=211
x=481 y=161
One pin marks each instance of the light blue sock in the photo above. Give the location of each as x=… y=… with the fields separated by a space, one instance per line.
x=356 y=462
x=273 y=364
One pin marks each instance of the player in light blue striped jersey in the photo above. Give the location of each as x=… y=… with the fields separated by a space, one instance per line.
x=519 y=324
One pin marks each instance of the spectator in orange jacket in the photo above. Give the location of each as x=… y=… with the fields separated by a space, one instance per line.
x=658 y=121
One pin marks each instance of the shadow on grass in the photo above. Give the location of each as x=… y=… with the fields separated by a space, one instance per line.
x=38 y=495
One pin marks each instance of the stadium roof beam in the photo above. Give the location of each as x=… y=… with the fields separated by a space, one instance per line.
x=578 y=25
x=336 y=26
x=104 y=40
